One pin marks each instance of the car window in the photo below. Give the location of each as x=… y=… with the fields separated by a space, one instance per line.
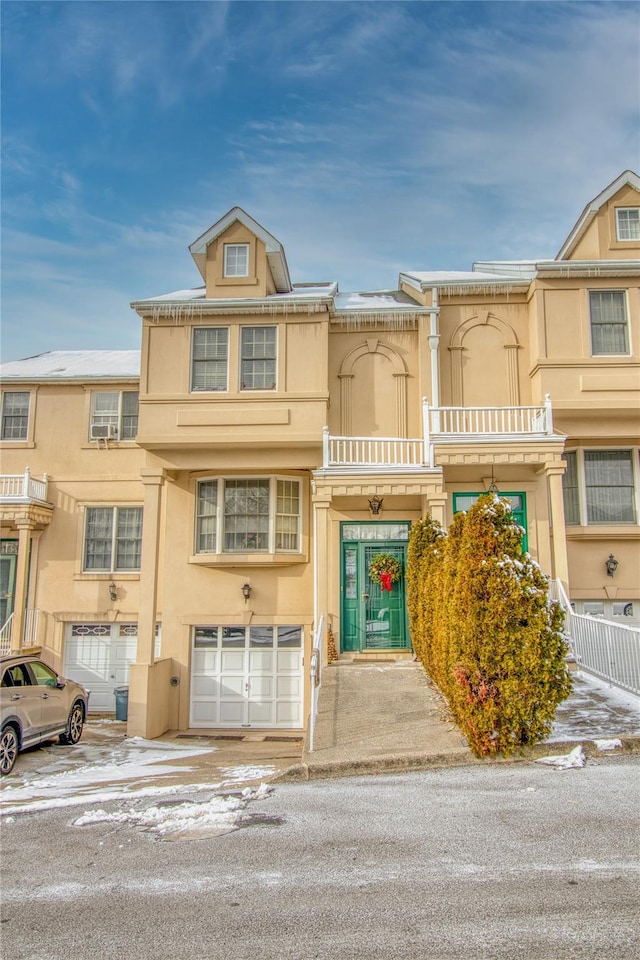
x=45 y=676
x=17 y=676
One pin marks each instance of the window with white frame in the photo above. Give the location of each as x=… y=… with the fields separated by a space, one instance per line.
x=609 y=325
x=15 y=415
x=600 y=486
x=112 y=539
x=628 y=223
x=258 y=353
x=209 y=359
x=236 y=259
x=248 y=515
x=114 y=415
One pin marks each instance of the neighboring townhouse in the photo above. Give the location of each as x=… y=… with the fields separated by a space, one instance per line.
x=197 y=540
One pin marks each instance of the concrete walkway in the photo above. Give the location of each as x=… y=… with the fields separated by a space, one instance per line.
x=378 y=715
x=375 y=716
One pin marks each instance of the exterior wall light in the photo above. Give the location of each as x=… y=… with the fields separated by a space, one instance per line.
x=375 y=505
x=246 y=591
x=113 y=592
x=611 y=564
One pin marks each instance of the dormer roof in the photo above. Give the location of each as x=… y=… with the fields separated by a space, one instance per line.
x=628 y=178
x=275 y=251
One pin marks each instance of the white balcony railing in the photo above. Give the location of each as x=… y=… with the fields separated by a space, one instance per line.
x=453 y=423
x=367 y=452
x=440 y=425
x=30 y=631
x=16 y=487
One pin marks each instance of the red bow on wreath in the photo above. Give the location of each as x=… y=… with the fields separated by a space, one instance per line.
x=385 y=581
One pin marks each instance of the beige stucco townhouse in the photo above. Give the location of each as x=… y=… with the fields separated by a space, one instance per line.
x=189 y=520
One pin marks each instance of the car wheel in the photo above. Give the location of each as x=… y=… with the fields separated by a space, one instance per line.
x=75 y=724
x=9 y=746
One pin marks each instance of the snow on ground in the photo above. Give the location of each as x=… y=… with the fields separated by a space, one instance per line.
x=595 y=710
x=133 y=768
x=190 y=820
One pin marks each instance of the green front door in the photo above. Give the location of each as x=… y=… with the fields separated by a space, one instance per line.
x=372 y=618
x=7 y=585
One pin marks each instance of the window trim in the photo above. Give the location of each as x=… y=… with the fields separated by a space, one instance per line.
x=583 y=518
x=27 y=432
x=112 y=569
x=199 y=390
x=258 y=326
x=227 y=247
x=625 y=298
x=119 y=431
x=220 y=518
x=620 y=210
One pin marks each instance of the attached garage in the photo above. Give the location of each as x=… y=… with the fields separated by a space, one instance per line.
x=247 y=677
x=98 y=656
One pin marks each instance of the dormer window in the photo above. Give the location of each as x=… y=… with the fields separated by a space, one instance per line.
x=236 y=260
x=628 y=223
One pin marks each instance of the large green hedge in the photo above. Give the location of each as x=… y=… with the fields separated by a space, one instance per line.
x=484 y=629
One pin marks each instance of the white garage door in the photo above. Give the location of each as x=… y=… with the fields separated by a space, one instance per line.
x=98 y=656
x=246 y=677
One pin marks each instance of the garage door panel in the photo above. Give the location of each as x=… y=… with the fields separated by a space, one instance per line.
x=288 y=714
x=204 y=713
x=232 y=661
x=261 y=661
x=261 y=714
x=261 y=688
x=289 y=661
x=288 y=687
x=205 y=661
x=231 y=714
x=205 y=687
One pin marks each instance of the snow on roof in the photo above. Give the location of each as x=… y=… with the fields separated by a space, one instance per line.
x=75 y=365
x=360 y=302
x=299 y=291
x=447 y=277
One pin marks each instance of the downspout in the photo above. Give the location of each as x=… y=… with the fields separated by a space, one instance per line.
x=434 y=340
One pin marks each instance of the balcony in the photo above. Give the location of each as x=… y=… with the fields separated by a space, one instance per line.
x=441 y=426
x=23 y=488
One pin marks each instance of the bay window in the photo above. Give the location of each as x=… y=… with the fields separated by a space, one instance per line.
x=248 y=515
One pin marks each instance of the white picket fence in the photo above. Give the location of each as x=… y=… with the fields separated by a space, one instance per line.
x=609 y=650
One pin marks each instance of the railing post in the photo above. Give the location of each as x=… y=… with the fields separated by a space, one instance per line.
x=548 y=414
x=25 y=489
x=325 y=447
x=428 y=457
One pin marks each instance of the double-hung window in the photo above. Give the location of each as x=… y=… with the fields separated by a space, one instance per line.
x=114 y=415
x=599 y=487
x=248 y=515
x=236 y=259
x=609 y=325
x=628 y=223
x=112 y=539
x=15 y=415
x=209 y=358
x=258 y=355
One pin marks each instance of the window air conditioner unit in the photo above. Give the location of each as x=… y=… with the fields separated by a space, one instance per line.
x=103 y=431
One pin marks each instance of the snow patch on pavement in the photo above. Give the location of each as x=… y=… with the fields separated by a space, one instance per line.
x=131 y=769
x=185 y=821
x=567 y=761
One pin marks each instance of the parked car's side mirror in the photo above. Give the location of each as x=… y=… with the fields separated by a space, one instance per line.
x=61 y=683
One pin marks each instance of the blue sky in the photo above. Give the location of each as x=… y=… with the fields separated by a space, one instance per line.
x=369 y=138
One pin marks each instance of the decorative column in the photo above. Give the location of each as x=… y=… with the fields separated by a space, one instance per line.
x=401 y=403
x=321 y=571
x=456 y=375
x=25 y=528
x=148 y=710
x=513 y=379
x=554 y=472
x=153 y=482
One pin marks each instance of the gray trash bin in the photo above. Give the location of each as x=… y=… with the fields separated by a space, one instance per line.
x=122 y=702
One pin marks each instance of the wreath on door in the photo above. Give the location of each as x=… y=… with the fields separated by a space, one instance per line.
x=385 y=569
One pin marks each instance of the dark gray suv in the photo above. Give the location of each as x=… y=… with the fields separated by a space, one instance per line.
x=37 y=704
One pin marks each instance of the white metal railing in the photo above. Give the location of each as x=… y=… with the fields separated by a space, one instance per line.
x=5 y=637
x=315 y=669
x=380 y=452
x=29 y=631
x=536 y=421
x=22 y=486
x=609 y=650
